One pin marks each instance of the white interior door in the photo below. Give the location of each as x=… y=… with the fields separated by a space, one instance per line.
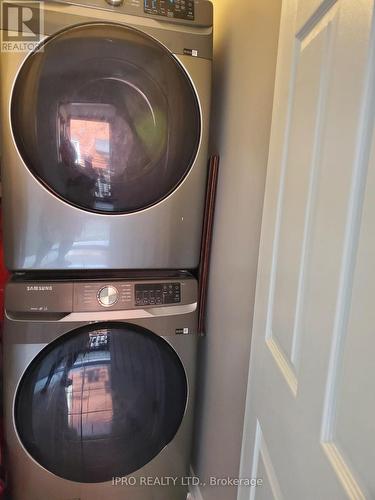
x=310 y=418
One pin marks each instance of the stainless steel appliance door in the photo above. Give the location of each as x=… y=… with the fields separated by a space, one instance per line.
x=112 y=123
x=100 y=401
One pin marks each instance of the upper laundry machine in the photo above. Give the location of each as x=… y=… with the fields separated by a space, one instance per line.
x=105 y=137
x=99 y=384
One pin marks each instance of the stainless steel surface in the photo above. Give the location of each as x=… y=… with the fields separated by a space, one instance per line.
x=24 y=339
x=43 y=232
x=126 y=315
x=175 y=36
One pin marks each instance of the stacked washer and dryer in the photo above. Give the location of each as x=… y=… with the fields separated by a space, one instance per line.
x=104 y=164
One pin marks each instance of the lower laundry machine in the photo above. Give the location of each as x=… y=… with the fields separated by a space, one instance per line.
x=99 y=387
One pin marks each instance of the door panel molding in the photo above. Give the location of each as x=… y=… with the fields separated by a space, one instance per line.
x=261 y=453
x=365 y=144
x=325 y=27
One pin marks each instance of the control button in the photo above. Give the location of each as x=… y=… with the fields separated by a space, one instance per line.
x=108 y=296
x=138 y=298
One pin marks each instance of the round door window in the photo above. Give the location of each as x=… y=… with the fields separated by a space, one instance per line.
x=106 y=118
x=100 y=402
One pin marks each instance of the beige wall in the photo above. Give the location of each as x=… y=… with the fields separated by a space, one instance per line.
x=246 y=33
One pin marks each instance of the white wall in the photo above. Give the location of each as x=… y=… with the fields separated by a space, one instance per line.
x=246 y=33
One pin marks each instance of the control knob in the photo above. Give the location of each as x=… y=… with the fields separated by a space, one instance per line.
x=108 y=296
x=115 y=3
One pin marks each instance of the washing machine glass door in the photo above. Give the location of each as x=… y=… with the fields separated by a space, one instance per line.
x=106 y=118
x=101 y=401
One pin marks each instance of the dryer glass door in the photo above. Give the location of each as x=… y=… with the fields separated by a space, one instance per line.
x=101 y=401
x=106 y=118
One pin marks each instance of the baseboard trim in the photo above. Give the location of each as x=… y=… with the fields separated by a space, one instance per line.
x=195 y=491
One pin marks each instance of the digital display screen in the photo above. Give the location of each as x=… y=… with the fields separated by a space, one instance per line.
x=176 y=9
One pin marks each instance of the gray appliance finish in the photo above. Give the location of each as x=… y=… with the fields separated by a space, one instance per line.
x=99 y=384
x=105 y=137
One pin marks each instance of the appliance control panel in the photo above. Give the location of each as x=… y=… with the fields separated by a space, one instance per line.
x=122 y=295
x=158 y=294
x=198 y=13
x=62 y=297
x=175 y=9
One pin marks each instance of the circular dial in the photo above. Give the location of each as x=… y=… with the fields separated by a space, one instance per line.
x=108 y=296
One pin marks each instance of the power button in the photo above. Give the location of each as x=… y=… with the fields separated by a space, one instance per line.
x=108 y=296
